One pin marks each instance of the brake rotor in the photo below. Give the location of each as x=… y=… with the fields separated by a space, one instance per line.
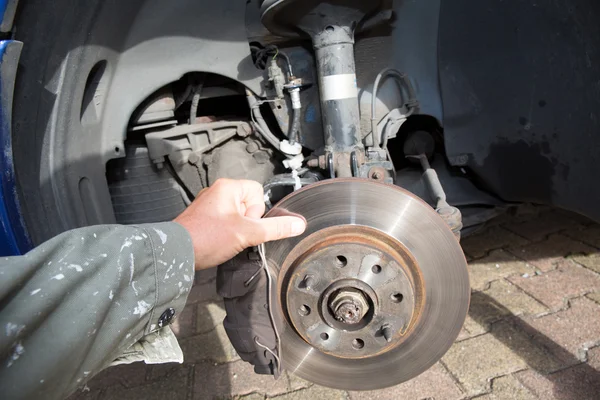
x=373 y=293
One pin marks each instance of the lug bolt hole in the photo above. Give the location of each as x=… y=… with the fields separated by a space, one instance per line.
x=304 y=310
x=376 y=269
x=341 y=261
x=329 y=28
x=396 y=297
x=324 y=336
x=358 y=344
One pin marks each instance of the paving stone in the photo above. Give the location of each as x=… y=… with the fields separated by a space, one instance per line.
x=434 y=383
x=499 y=264
x=579 y=218
x=580 y=382
x=253 y=396
x=203 y=292
x=543 y=225
x=174 y=388
x=234 y=379
x=315 y=392
x=214 y=346
x=478 y=245
x=594 y=296
x=547 y=254
x=156 y=372
x=516 y=214
x=205 y=275
x=500 y=300
x=183 y=324
x=464 y=332
x=128 y=375
x=593 y=358
x=295 y=382
x=590 y=235
x=553 y=288
x=508 y=387
x=209 y=315
x=475 y=362
x=590 y=261
x=557 y=333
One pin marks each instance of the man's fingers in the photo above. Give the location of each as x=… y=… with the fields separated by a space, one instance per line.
x=268 y=229
x=253 y=198
x=255 y=211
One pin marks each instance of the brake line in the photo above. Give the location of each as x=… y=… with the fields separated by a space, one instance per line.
x=265 y=267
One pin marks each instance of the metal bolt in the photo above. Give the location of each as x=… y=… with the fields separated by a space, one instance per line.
x=245 y=130
x=376 y=175
x=349 y=305
x=304 y=310
x=386 y=331
x=314 y=162
x=307 y=282
x=251 y=147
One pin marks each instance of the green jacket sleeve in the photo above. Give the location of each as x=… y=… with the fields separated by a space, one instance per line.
x=71 y=306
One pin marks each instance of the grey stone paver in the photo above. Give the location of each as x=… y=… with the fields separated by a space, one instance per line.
x=542 y=225
x=555 y=287
x=475 y=362
x=580 y=382
x=212 y=346
x=568 y=344
x=513 y=301
x=209 y=315
x=547 y=254
x=498 y=264
x=235 y=379
x=508 y=387
x=533 y=330
x=489 y=239
x=590 y=235
x=433 y=383
x=314 y=393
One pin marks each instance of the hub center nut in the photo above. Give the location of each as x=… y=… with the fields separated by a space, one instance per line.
x=349 y=305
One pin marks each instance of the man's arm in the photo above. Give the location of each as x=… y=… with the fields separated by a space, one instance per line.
x=74 y=304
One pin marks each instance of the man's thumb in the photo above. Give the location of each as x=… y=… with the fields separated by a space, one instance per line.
x=276 y=228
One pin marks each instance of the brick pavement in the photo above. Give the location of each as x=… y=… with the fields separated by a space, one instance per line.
x=533 y=330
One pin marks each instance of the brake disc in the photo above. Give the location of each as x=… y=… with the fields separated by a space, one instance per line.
x=373 y=293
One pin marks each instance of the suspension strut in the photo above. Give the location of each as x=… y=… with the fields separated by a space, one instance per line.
x=331 y=26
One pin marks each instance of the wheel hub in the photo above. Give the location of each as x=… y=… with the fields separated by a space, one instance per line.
x=373 y=293
x=362 y=286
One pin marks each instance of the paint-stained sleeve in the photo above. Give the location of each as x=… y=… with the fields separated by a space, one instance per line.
x=71 y=306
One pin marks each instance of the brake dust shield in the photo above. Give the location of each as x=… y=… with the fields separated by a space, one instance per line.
x=373 y=293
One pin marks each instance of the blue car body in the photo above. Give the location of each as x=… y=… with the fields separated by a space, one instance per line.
x=13 y=234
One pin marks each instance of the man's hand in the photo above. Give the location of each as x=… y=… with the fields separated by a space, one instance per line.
x=225 y=219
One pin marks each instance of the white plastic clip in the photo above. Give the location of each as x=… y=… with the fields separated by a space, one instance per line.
x=292 y=149
x=294 y=163
x=297 y=184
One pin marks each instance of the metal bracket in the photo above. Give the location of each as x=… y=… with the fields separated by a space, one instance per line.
x=197 y=138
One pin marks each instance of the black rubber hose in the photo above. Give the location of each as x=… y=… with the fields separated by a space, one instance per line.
x=293 y=135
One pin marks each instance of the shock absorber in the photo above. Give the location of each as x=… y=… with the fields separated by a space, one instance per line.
x=330 y=25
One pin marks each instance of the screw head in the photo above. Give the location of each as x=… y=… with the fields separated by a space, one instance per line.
x=304 y=310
